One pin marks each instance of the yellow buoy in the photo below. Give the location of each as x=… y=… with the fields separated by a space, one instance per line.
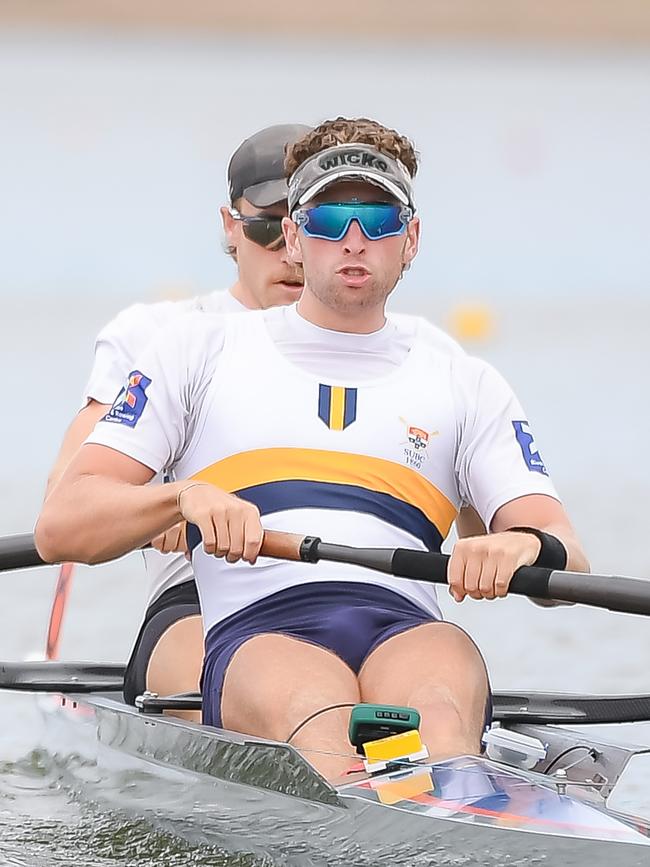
x=173 y=292
x=471 y=322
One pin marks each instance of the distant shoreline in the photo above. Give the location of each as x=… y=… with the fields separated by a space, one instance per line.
x=584 y=21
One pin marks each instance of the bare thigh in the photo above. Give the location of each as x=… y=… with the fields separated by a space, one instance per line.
x=437 y=669
x=274 y=682
x=176 y=662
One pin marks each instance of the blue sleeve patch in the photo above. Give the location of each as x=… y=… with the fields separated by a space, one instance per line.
x=526 y=442
x=131 y=401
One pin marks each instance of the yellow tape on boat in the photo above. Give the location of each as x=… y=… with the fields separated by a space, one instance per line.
x=404 y=789
x=393 y=747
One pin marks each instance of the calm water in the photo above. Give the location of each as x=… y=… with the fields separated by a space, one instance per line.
x=580 y=371
x=534 y=173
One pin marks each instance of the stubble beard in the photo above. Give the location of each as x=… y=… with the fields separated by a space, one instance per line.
x=345 y=299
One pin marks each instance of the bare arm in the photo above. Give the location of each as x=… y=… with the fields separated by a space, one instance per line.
x=81 y=426
x=482 y=566
x=103 y=508
x=100 y=510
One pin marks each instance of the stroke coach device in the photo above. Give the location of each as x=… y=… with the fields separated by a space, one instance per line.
x=372 y=722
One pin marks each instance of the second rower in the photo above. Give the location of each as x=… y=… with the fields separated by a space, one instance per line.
x=168 y=652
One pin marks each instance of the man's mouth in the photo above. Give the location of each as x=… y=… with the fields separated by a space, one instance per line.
x=354 y=275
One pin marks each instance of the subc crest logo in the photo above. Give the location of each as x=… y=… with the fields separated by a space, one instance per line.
x=416 y=444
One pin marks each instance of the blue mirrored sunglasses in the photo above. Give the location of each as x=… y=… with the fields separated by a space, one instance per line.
x=331 y=220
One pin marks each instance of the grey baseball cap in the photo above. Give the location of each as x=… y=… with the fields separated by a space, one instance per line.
x=256 y=169
x=350 y=162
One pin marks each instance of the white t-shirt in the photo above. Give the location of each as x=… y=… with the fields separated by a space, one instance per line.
x=126 y=336
x=117 y=346
x=373 y=440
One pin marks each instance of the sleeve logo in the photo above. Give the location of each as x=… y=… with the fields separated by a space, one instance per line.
x=528 y=447
x=131 y=401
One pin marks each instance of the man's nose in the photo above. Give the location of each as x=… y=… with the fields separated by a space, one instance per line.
x=354 y=241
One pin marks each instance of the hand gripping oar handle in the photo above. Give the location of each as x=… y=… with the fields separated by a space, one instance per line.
x=615 y=593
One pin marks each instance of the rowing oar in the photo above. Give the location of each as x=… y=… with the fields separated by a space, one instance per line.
x=612 y=592
x=615 y=593
x=61 y=594
x=542 y=708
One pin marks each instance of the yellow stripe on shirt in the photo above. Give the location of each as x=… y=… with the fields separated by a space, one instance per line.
x=337 y=407
x=261 y=466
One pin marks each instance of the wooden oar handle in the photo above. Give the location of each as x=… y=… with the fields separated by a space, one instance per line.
x=281 y=546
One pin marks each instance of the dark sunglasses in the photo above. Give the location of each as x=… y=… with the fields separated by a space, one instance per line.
x=331 y=220
x=261 y=230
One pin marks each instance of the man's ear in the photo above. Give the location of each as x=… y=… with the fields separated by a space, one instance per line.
x=230 y=227
x=290 y=231
x=411 y=243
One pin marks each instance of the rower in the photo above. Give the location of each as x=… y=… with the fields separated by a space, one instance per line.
x=168 y=652
x=298 y=419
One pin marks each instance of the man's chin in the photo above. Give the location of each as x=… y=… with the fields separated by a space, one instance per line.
x=290 y=291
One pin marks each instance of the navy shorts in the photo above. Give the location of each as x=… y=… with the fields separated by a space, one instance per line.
x=176 y=603
x=350 y=619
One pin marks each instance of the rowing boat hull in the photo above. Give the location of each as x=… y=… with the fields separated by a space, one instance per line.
x=247 y=795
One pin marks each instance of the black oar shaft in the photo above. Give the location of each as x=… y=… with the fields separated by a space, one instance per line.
x=419 y=565
x=313 y=549
x=19 y=552
x=62 y=676
x=614 y=593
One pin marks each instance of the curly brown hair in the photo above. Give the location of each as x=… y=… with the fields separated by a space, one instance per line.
x=359 y=130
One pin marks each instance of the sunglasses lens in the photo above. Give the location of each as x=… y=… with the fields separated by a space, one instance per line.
x=265 y=232
x=332 y=220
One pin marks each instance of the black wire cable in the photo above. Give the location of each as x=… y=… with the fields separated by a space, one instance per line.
x=591 y=752
x=317 y=713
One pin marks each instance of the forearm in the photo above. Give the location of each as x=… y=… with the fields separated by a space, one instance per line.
x=95 y=518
